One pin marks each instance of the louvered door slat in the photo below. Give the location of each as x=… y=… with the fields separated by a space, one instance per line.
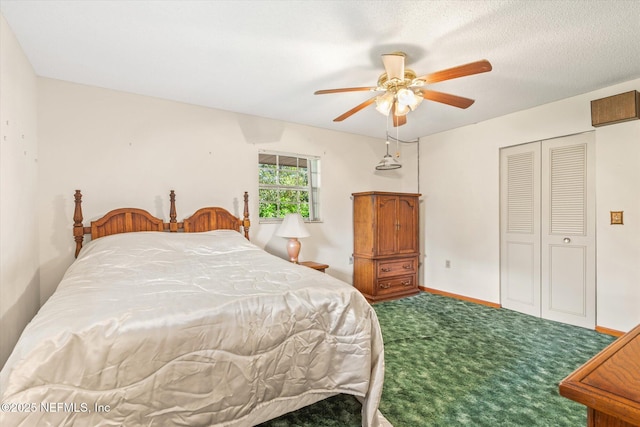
x=568 y=190
x=520 y=193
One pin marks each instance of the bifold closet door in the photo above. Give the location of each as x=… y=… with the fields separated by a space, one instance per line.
x=520 y=228
x=568 y=230
x=547 y=227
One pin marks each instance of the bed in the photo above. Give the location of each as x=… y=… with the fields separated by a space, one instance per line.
x=188 y=324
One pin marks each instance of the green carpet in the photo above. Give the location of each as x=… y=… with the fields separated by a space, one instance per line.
x=455 y=363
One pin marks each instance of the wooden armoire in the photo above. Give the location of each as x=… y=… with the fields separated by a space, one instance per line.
x=385 y=244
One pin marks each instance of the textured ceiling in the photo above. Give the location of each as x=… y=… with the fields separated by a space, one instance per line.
x=266 y=58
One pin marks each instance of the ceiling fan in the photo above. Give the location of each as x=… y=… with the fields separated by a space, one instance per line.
x=403 y=90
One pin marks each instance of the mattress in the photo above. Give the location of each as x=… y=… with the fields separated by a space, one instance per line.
x=190 y=329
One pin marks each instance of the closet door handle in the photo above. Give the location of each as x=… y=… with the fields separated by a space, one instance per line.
x=566 y=240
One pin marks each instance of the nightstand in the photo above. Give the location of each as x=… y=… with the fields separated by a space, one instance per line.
x=315 y=265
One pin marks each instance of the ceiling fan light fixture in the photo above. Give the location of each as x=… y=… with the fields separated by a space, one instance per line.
x=401 y=109
x=418 y=98
x=384 y=103
x=410 y=98
x=404 y=90
x=406 y=97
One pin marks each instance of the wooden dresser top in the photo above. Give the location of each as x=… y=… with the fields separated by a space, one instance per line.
x=610 y=381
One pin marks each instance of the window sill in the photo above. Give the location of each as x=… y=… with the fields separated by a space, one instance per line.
x=279 y=220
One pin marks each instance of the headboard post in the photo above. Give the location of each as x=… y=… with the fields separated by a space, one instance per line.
x=173 y=222
x=78 y=228
x=245 y=222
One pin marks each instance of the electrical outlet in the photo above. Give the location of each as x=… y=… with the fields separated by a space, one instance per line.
x=351 y=260
x=447 y=264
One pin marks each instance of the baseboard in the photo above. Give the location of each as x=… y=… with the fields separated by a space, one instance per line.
x=608 y=331
x=600 y=329
x=460 y=297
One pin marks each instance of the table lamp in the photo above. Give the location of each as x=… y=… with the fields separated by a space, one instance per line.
x=293 y=227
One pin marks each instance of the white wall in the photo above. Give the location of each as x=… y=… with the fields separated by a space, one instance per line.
x=460 y=183
x=618 y=246
x=19 y=286
x=129 y=150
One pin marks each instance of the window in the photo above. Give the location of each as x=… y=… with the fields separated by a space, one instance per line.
x=288 y=183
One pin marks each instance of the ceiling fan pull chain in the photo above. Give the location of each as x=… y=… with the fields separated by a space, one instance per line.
x=397 y=142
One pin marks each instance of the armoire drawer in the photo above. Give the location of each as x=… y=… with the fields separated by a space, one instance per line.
x=394 y=267
x=394 y=285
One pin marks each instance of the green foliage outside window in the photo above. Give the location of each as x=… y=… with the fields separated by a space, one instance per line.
x=284 y=185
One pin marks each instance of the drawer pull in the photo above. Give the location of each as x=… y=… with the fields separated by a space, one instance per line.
x=407 y=267
x=385 y=285
x=385 y=269
x=407 y=283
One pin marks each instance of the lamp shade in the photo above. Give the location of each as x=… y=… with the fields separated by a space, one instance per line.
x=292 y=226
x=406 y=97
x=388 y=162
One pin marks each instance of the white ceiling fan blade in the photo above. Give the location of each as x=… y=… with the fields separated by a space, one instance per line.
x=394 y=65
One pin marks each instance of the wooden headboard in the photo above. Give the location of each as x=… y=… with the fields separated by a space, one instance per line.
x=127 y=220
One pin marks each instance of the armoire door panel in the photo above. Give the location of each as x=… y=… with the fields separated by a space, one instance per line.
x=386 y=230
x=407 y=223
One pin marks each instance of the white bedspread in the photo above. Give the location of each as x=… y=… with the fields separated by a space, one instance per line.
x=175 y=329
